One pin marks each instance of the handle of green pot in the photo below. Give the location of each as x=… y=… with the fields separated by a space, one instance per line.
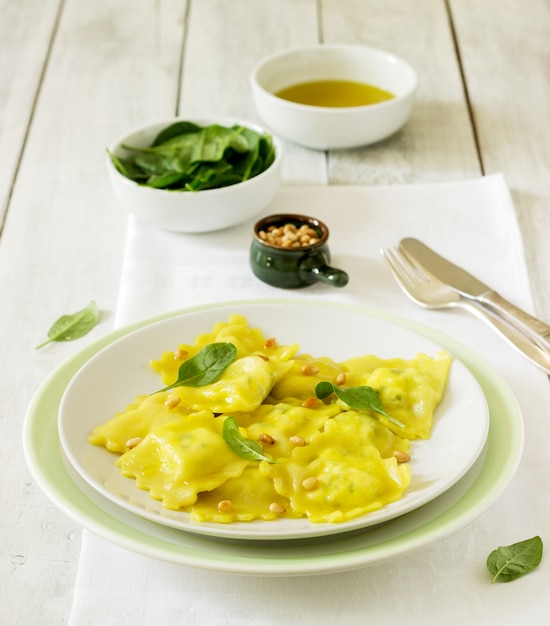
x=318 y=269
x=331 y=275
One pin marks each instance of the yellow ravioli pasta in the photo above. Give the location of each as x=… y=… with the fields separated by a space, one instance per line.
x=177 y=460
x=292 y=454
x=409 y=390
x=242 y=499
x=243 y=387
x=303 y=376
x=282 y=422
x=349 y=478
x=136 y=421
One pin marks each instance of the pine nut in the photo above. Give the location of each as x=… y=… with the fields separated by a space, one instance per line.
x=310 y=483
x=297 y=441
x=310 y=403
x=270 y=343
x=401 y=457
x=180 y=354
x=133 y=442
x=172 y=402
x=225 y=506
x=267 y=439
x=289 y=236
x=310 y=370
x=276 y=507
x=341 y=379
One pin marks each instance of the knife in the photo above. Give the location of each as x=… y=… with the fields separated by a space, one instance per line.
x=473 y=289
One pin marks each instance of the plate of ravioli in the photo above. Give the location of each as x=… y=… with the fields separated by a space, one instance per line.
x=273 y=421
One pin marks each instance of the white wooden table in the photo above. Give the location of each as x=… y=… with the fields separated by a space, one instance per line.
x=74 y=74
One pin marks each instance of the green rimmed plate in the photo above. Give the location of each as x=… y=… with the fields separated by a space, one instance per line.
x=452 y=510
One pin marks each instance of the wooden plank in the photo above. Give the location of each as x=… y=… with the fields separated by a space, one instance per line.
x=505 y=51
x=225 y=41
x=26 y=28
x=114 y=65
x=437 y=143
x=111 y=67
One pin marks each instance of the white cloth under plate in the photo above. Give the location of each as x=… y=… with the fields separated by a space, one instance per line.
x=471 y=222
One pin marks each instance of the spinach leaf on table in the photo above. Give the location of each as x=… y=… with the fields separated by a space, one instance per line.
x=187 y=157
x=73 y=326
x=507 y=563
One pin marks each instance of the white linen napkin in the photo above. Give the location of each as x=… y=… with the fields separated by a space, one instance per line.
x=470 y=222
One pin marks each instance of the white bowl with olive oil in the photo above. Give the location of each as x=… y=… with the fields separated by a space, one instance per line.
x=329 y=97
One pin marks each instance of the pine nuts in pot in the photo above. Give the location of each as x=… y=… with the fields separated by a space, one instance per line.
x=290 y=235
x=290 y=251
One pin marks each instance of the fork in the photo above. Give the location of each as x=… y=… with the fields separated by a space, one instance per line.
x=429 y=292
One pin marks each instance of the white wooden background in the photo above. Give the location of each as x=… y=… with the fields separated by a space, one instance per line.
x=74 y=74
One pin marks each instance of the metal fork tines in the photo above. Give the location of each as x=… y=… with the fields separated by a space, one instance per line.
x=429 y=292
x=421 y=286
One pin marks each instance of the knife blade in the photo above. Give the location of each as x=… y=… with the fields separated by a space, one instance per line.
x=472 y=288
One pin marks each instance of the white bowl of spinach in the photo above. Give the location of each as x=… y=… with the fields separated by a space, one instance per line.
x=195 y=175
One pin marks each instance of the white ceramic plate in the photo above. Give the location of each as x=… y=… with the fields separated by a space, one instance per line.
x=120 y=371
x=443 y=516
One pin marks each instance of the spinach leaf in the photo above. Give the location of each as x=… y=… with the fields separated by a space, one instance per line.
x=507 y=563
x=362 y=398
x=174 y=130
x=187 y=157
x=166 y=181
x=73 y=326
x=128 y=168
x=243 y=447
x=205 y=367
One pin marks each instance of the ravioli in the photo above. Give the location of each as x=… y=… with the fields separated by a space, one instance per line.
x=243 y=499
x=243 y=387
x=337 y=477
x=410 y=390
x=178 y=460
x=303 y=376
x=296 y=456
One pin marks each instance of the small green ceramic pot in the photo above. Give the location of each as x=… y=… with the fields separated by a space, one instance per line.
x=291 y=268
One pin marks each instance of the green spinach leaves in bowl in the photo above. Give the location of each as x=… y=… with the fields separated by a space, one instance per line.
x=188 y=157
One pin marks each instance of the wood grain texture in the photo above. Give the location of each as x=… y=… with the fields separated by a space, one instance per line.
x=74 y=75
x=62 y=243
x=212 y=68
x=26 y=29
x=505 y=51
x=437 y=143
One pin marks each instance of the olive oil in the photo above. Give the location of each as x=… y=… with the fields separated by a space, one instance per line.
x=334 y=93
